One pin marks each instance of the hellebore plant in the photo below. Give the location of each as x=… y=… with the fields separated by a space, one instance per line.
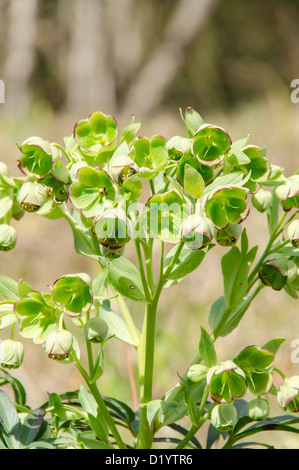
x=185 y=195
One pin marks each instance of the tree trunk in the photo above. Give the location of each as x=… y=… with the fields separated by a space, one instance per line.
x=147 y=91
x=19 y=63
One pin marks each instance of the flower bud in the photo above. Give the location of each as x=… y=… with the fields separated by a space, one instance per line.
x=59 y=344
x=293 y=233
x=32 y=196
x=96 y=330
x=11 y=354
x=196 y=232
x=112 y=228
x=8 y=237
x=262 y=200
x=224 y=417
x=229 y=235
x=258 y=409
x=4 y=169
x=288 y=394
x=197 y=372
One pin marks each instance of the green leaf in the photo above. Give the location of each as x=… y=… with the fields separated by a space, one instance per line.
x=187 y=262
x=90 y=442
x=193 y=121
x=273 y=345
x=125 y=279
x=9 y=422
x=87 y=401
x=24 y=288
x=217 y=311
x=9 y=289
x=128 y=134
x=99 y=427
x=117 y=326
x=31 y=426
x=273 y=214
x=206 y=349
x=100 y=285
x=235 y=270
x=193 y=182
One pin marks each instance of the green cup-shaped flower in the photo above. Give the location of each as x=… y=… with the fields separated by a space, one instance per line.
x=93 y=188
x=229 y=235
x=166 y=215
x=73 y=292
x=37 y=315
x=96 y=330
x=32 y=196
x=293 y=233
x=256 y=363
x=59 y=344
x=96 y=136
x=259 y=166
x=150 y=155
x=177 y=146
x=11 y=354
x=112 y=228
x=258 y=409
x=121 y=167
x=288 y=193
x=224 y=417
x=37 y=157
x=227 y=382
x=288 y=394
x=210 y=144
x=197 y=231
x=8 y=237
x=277 y=271
x=227 y=205
x=262 y=200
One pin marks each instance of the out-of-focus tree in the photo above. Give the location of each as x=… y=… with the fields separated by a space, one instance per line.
x=133 y=56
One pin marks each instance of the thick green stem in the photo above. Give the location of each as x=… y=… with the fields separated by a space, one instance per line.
x=146 y=362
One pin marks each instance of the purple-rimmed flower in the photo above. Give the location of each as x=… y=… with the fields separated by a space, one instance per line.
x=277 y=271
x=288 y=394
x=96 y=136
x=210 y=144
x=227 y=205
x=37 y=157
x=197 y=231
x=288 y=193
x=256 y=363
x=150 y=155
x=258 y=409
x=94 y=187
x=227 y=382
x=73 y=293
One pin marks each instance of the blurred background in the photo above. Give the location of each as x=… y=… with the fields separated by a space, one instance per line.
x=232 y=61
